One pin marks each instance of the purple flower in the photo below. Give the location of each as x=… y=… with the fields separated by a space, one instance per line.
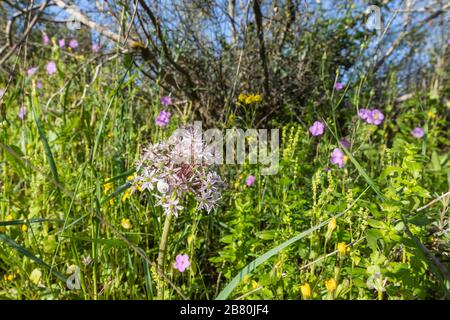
x=45 y=39
x=327 y=169
x=418 y=132
x=31 y=71
x=317 y=128
x=338 y=157
x=448 y=41
x=363 y=113
x=345 y=143
x=339 y=86
x=181 y=262
x=73 y=44
x=163 y=118
x=51 y=67
x=375 y=117
x=62 y=43
x=2 y=92
x=95 y=48
x=39 y=84
x=166 y=101
x=250 y=181
x=22 y=112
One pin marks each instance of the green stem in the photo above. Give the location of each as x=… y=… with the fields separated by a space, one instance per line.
x=162 y=252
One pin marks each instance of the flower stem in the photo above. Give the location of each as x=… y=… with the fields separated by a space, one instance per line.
x=162 y=253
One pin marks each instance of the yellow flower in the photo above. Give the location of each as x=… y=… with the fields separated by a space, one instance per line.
x=112 y=201
x=331 y=285
x=342 y=248
x=9 y=277
x=254 y=284
x=306 y=291
x=110 y=135
x=242 y=97
x=332 y=225
x=24 y=228
x=130 y=178
x=126 y=195
x=257 y=98
x=126 y=224
x=107 y=187
x=249 y=99
x=431 y=114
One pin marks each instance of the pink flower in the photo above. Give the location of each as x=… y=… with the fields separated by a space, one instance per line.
x=31 y=71
x=375 y=117
x=2 y=92
x=418 y=132
x=22 y=112
x=363 y=113
x=95 y=48
x=62 y=43
x=448 y=41
x=45 y=39
x=181 y=262
x=73 y=44
x=166 y=101
x=250 y=181
x=338 y=157
x=163 y=118
x=317 y=128
x=39 y=84
x=339 y=86
x=51 y=67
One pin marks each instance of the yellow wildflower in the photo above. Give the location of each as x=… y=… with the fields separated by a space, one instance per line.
x=131 y=178
x=431 y=114
x=306 y=291
x=24 y=228
x=242 y=97
x=331 y=285
x=342 y=248
x=107 y=186
x=231 y=119
x=110 y=135
x=126 y=195
x=9 y=277
x=254 y=284
x=257 y=98
x=126 y=224
x=332 y=225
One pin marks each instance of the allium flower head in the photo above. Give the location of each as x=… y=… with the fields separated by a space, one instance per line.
x=317 y=128
x=61 y=43
x=250 y=181
x=338 y=157
x=375 y=117
x=182 y=262
x=73 y=44
x=51 y=67
x=178 y=167
x=418 y=132
x=22 y=112
x=166 y=101
x=31 y=71
x=339 y=86
x=163 y=118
